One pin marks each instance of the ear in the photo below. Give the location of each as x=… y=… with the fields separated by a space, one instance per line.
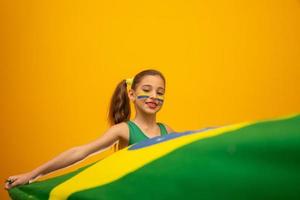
x=131 y=95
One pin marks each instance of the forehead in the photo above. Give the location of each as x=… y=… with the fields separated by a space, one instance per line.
x=155 y=81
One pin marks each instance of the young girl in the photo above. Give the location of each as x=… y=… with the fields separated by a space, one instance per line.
x=146 y=91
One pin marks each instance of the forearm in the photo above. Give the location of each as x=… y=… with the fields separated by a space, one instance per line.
x=64 y=159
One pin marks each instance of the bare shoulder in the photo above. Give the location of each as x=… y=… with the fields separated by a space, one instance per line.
x=169 y=129
x=120 y=129
x=111 y=136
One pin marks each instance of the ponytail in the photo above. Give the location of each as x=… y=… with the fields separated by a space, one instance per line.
x=119 y=110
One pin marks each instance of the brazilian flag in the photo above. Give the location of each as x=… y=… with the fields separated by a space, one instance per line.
x=253 y=160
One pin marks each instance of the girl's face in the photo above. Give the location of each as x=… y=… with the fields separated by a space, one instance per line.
x=148 y=96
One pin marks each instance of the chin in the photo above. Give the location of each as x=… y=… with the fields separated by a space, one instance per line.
x=152 y=111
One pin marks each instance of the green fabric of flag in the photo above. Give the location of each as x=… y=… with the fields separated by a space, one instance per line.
x=259 y=160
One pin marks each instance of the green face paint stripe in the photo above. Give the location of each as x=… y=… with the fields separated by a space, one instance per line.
x=160 y=101
x=243 y=158
x=147 y=95
x=142 y=93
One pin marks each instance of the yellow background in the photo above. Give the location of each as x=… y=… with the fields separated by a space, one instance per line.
x=224 y=61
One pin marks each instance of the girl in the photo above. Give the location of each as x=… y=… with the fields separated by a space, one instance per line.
x=146 y=91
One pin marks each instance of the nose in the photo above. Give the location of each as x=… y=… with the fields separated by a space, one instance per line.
x=153 y=95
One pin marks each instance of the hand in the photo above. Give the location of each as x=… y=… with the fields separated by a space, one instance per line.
x=20 y=179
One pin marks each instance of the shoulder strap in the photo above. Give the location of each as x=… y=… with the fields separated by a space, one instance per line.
x=162 y=128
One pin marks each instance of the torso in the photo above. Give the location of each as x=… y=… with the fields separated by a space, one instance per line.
x=137 y=134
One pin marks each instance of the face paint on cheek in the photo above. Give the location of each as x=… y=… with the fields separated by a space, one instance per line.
x=160 y=99
x=143 y=95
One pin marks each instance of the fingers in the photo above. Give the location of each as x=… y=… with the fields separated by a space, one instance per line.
x=11 y=179
x=8 y=185
x=11 y=182
x=15 y=183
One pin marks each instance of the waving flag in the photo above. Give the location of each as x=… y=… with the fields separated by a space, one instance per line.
x=254 y=160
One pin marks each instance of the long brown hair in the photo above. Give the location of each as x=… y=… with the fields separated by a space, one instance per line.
x=119 y=109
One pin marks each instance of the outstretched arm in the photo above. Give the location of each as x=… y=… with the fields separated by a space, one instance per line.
x=68 y=157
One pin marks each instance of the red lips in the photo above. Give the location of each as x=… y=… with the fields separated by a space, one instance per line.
x=151 y=104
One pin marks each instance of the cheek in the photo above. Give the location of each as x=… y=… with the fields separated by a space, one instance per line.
x=140 y=100
x=143 y=96
x=160 y=100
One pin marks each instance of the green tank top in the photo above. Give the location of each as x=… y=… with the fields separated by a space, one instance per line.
x=137 y=135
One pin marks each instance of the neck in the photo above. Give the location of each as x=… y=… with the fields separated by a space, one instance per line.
x=145 y=120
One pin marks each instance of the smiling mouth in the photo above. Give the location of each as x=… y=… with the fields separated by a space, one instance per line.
x=151 y=105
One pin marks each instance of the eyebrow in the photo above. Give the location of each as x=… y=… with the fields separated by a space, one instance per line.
x=151 y=86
